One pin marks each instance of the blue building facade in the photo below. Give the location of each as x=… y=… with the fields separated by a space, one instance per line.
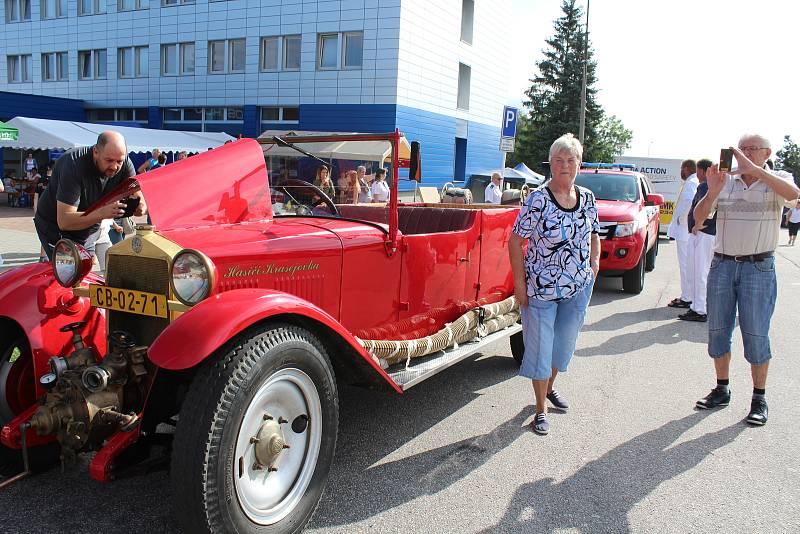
x=433 y=69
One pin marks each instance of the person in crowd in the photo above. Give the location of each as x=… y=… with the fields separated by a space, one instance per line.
x=80 y=178
x=793 y=222
x=379 y=187
x=150 y=162
x=10 y=188
x=160 y=162
x=749 y=202
x=701 y=247
x=364 y=192
x=30 y=163
x=553 y=280
x=100 y=242
x=323 y=181
x=493 y=193
x=679 y=231
x=352 y=189
x=182 y=155
x=41 y=185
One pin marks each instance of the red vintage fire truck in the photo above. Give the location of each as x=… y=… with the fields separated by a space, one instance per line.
x=233 y=316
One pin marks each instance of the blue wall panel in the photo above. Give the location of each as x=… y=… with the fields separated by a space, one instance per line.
x=483 y=148
x=40 y=107
x=363 y=118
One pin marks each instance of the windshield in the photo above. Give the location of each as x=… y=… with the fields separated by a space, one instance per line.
x=350 y=179
x=619 y=187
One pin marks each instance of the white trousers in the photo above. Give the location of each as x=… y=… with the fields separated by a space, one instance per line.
x=702 y=252
x=684 y=269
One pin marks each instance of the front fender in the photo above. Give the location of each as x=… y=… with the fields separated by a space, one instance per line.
x=196 y=334
x=31 y=297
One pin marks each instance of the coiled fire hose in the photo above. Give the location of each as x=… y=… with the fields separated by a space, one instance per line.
x=477 y=322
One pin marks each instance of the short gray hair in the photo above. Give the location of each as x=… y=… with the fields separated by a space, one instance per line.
x=567 y=142
x=361 y=168
x=497 y=174
x=763 y=140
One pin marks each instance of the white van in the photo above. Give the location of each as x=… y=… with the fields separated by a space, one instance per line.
x=665 y=175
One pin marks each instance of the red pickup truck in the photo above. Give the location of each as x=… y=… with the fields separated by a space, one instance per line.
x=629 y=218
x=234 y=317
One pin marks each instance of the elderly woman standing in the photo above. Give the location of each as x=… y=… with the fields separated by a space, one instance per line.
x=553 y=282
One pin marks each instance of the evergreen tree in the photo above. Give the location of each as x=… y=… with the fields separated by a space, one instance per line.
x=554 y=99
x=788 y=158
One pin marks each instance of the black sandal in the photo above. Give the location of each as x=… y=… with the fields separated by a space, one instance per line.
x=678 y=302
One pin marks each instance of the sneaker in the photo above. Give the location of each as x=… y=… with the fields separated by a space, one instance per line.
x=758 y=412
x=540 y=424
x=716 y=399
x=558 y=401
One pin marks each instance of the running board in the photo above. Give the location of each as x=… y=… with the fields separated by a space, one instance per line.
x=427 y=366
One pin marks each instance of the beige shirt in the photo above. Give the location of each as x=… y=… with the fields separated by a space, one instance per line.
x=749 y=218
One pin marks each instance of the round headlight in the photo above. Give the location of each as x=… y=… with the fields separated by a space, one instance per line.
x=192 y=276
x=71 y=262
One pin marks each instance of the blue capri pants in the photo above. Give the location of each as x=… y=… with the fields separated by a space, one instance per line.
x=550 y=330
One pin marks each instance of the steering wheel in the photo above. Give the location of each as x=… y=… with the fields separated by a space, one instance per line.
x=317 y=196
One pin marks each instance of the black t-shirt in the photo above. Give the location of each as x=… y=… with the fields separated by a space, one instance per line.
x=75 y=181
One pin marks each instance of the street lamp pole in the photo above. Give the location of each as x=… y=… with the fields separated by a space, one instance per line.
x=582 y=127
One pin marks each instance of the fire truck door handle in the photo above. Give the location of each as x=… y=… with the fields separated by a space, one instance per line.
x=465 y=260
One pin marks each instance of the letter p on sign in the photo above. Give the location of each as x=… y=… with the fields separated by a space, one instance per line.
x=509 y=122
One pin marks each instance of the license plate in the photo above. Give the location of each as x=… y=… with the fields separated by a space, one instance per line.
x=128 y=300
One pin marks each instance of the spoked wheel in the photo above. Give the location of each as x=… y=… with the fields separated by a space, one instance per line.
x=256 y=435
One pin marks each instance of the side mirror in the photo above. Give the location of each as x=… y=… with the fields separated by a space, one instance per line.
x=415 y=166
x=654 y=200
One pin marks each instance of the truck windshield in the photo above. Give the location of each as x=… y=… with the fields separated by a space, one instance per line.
x=619 y=187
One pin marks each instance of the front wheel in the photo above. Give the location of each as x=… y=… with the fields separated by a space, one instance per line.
x=256 y=435
x=633 y=280
x=650 y=261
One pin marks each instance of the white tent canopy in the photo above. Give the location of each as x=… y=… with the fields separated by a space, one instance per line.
x=349 y=150
x=47 y=134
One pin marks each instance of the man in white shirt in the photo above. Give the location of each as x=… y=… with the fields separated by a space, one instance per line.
x=379 y=187
x=749 y=201
x=494 y=191
x=679 y=231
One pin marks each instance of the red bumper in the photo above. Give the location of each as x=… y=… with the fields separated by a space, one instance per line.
x=620 y=253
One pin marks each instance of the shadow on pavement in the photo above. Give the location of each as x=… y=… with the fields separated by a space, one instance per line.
x=598 y=497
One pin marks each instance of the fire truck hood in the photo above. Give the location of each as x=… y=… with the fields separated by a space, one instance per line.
x=225 y=185
x=617 y=210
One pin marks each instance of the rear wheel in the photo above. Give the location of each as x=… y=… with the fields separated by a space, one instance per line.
x=633 y=280
x=650 y=261
x=256 y=435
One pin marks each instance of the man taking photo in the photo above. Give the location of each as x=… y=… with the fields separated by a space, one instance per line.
x=80 y=178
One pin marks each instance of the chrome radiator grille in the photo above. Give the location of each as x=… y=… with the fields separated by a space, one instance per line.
x=142 y=274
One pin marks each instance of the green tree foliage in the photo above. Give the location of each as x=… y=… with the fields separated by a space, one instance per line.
x=553 y=100
x=788 y=158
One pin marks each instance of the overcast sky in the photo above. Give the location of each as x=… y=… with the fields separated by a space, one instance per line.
x=686 y=76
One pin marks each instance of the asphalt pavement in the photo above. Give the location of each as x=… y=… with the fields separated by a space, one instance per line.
x=455 y=454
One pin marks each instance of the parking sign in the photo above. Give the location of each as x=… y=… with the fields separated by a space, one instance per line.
x=509 y=122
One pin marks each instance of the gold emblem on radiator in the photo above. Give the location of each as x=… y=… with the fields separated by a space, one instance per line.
x=236 y=271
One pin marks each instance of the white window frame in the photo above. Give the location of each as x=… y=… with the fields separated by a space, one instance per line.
x=179 y=59
x=344 y=38
x=182 y=69
x=281 y=111
x=212 y=45
x=321 y=37
x=98 y=8
x=170 y=3
x=61 y=66
x=18 y=14
x=94 y=65
x=202 y=120
x=229 y=45
x=25 y=64
x=59 y=6
x=284 y=54
x=227 y=55
x=467 y=21
x=262 y=55
x=137 y=5
x=460 y=90
x=137 y=69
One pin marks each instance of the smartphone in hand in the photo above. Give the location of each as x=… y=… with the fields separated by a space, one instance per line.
x=725 y=159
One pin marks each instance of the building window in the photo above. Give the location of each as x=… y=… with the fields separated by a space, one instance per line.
x=92 y=64
x=328 y=51
x=291 y=52
x=131 y=5
x=139 y=115
x=230 y=119
x=285 y=115
x=220 y=62
x=18 y=10
x=132 y=62
x=464 y=74
x=167 y=3
x=54 y=9
x=269 y=53
x=467 y=17
x=353 y=50
x=19 y=68
x=55 y=67
x=91 y=7
x=177 y=59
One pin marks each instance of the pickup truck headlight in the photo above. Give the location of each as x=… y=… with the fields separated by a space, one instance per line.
x=71 y=262
x=192 y=276
x=625 y=229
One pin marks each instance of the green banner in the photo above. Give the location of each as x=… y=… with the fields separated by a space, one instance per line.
x=8 y=133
